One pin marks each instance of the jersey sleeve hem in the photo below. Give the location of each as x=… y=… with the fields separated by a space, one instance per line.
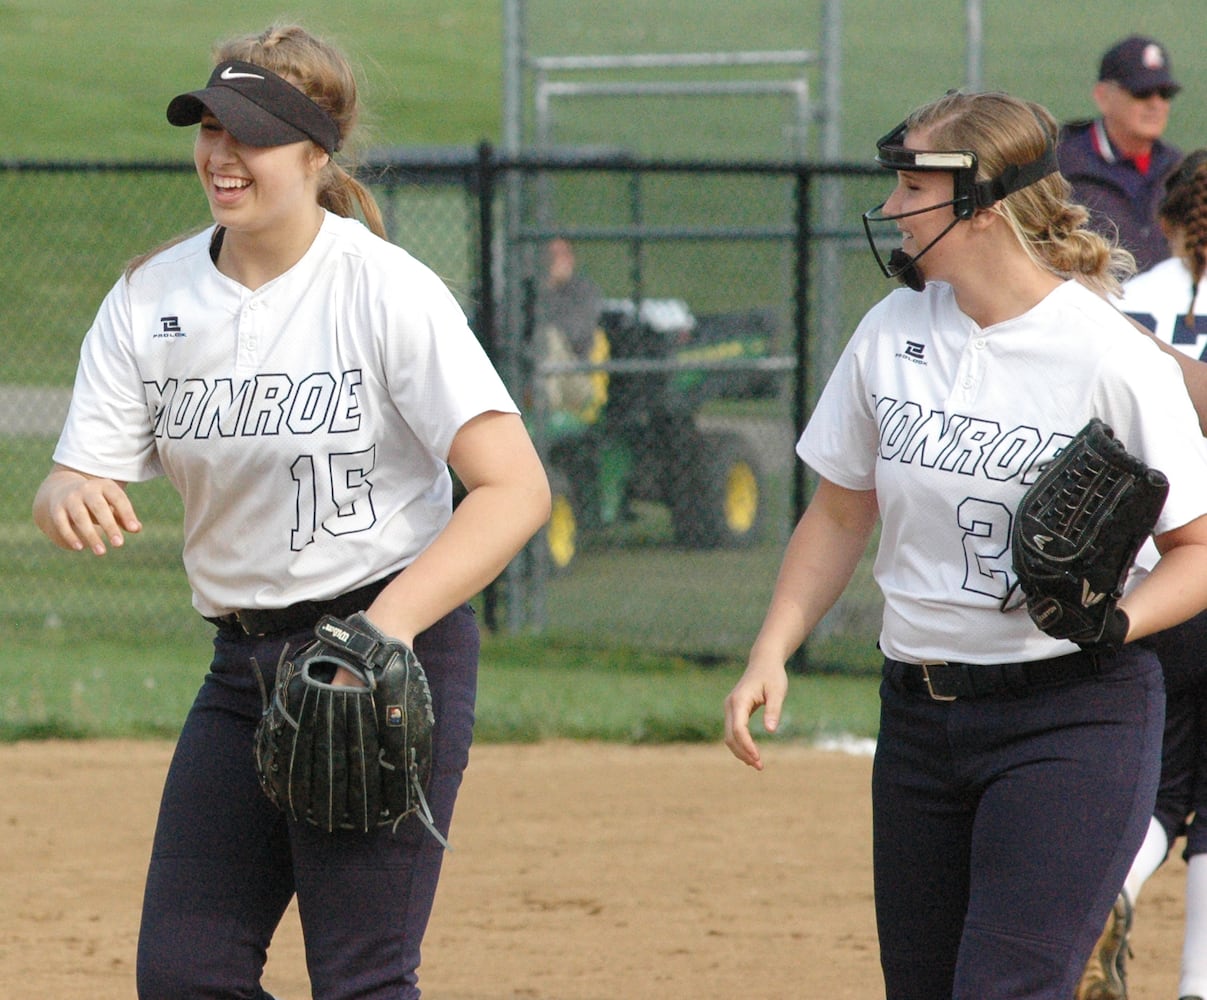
x=88 y=465
x=836 y=475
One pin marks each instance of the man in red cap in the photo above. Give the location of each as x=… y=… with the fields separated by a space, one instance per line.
x=1118 y=163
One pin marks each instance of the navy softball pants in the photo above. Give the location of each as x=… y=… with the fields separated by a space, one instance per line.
x=225 y=863
x=1004 y=826
x=1182 y=795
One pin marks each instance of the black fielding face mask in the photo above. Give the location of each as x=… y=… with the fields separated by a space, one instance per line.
x=899 y=264
x=902 y=265
x=968 y=195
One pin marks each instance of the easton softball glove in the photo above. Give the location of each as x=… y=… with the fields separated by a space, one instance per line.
x=1076 y=534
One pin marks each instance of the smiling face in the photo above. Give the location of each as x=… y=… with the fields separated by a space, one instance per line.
x=255 y=190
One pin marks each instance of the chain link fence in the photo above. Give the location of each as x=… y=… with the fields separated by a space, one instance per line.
x=668 y=432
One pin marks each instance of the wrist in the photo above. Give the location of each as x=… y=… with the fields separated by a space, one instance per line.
x=1116 y=632
x=383 y=629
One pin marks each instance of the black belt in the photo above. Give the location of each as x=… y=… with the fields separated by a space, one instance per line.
x=949 y=681
x=300 y=616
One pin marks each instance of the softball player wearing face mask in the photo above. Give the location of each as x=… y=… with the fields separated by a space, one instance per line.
x=1014 y=773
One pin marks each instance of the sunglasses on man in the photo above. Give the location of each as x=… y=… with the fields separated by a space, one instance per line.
x=1165 y=93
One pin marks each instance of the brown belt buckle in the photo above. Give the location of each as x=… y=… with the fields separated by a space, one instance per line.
x=930 y=686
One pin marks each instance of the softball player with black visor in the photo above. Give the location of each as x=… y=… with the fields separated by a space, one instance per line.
x=306 y=386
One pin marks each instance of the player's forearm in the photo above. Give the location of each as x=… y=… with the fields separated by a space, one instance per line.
x=1173 y=592
x=805 y=591
x=820 y=560
x=1194 y=375
x=506 y=502
x=488 y=528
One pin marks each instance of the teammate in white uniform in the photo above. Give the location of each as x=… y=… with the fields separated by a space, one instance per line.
x=1014 y=773
x=1165 y=300
x=306 y=386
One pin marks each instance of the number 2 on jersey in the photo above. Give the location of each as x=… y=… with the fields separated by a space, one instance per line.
x=986 y=525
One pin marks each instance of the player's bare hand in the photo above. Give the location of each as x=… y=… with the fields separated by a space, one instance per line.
x=77 y=511
x=346 y=678
x=763 y=685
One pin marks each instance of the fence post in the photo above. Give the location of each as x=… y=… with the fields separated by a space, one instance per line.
x=488 y=332
x=798 y=662
x=800 y=380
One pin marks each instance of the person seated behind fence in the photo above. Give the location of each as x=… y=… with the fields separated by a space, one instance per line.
x=567 y=329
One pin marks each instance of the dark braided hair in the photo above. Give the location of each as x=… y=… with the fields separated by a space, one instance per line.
x=1184 y=208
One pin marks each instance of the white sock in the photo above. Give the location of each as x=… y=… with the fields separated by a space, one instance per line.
x=1147 y=860
x=1194 y=946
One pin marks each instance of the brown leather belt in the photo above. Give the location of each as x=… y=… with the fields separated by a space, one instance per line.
x=300 y=616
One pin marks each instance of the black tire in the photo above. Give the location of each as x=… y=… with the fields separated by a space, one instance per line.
x=721 y=497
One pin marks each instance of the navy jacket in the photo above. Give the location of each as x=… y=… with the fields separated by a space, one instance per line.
x=1115 y=191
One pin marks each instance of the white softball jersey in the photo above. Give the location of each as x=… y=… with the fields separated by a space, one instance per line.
x=949 y=423
x=306 y=424
x=1159 y=299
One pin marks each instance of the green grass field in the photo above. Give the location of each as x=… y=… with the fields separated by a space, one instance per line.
x=529 y=689
x=431 y=69
x=89 y=81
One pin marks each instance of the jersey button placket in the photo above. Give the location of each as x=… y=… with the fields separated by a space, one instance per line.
x=979 y=360
x=971 y=370
x=248 y=332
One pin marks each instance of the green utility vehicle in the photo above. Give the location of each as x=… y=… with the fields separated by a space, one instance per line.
x=625 y=426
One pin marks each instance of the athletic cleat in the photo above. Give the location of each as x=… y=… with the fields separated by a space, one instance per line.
x=1105 y=976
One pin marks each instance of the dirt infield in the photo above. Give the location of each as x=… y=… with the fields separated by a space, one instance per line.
x=580 y=872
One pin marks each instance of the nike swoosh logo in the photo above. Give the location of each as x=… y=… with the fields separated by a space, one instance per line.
x=230 y=74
